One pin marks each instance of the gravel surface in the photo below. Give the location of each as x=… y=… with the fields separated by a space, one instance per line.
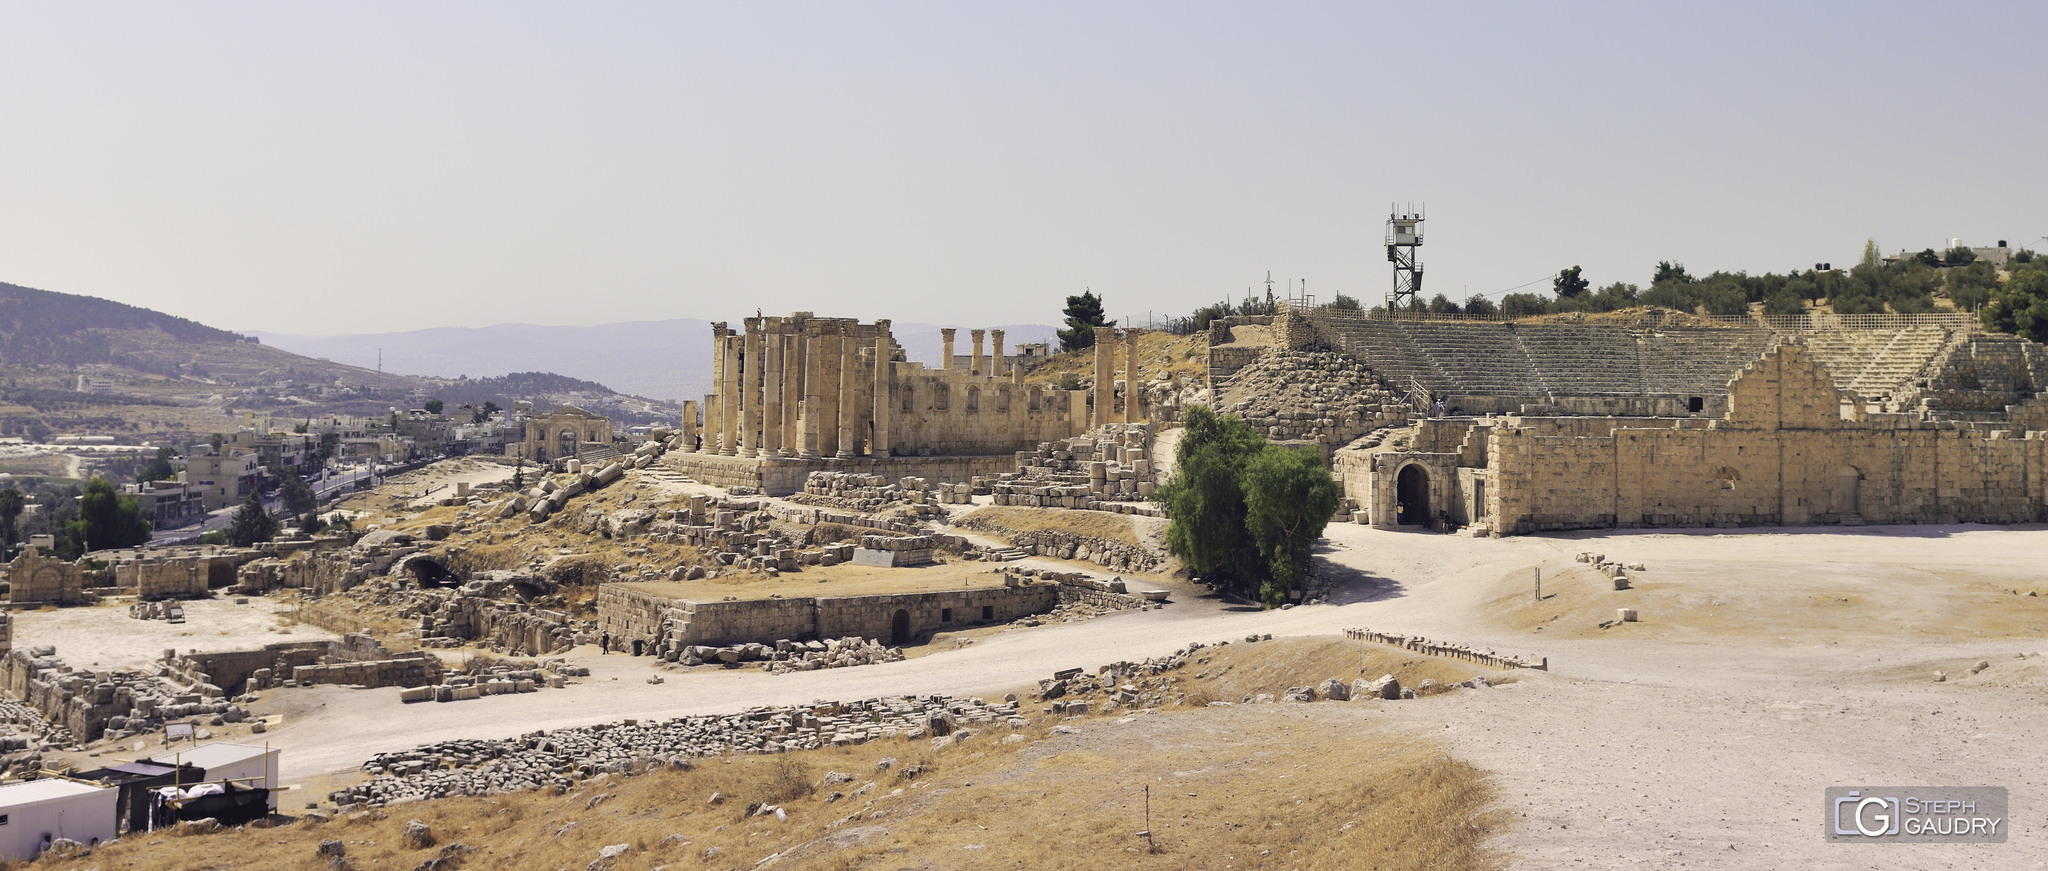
x=1647 y=747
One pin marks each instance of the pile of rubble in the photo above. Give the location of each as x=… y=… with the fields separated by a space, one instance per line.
x=785 y=656
x=1312 y=396
x=24 y=737
x=485 y=678
x=1113 y=464
x=558 y=758
x=495 y=609
x=1072 y=691
x=1112 y=555
x=113 y=704
x=1616 y=572
x=173 y=611
x=853 y=491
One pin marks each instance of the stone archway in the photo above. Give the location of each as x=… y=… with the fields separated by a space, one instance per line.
x=899 y=628
x=567 y=444
x=1411 y=494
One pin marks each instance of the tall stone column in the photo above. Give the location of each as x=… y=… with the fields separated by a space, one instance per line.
x=995 y=360
x=791 y=441
x=946 y=343
x=978 y=367
x=814 y=376
x=729 y=399
x=750 y=390
x=771 y=390
x=1133 y=393
x=714 y=411
x=884 y=377
x=1105 y=376
x=849 y=395
x=828 y=389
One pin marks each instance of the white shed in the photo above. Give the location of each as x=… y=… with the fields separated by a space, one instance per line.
x=36 y=812
x=245 y=764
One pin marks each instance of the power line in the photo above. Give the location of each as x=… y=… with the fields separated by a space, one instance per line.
x=1522 y=285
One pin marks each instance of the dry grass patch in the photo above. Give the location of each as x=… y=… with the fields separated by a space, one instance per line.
x=1158 y=354
x=1093 y=524
x=1272 y=786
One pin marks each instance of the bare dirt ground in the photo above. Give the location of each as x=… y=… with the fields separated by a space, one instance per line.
x=1701 y=737
x=105 y=637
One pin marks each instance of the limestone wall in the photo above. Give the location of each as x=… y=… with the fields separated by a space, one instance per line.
x=664 y=626
x=33 y=577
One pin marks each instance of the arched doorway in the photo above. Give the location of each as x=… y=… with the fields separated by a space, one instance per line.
x=568 y=444
x=639 y=648
x=1411 y=490
x=899 y=628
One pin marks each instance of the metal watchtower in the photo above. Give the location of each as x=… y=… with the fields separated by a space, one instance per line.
x=1404 y=235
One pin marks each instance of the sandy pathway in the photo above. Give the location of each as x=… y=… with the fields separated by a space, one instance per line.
x=1638 y=749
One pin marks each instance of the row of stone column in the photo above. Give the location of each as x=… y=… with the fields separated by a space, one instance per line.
x=991 y=366
x=1105 y=379
x=808 y=394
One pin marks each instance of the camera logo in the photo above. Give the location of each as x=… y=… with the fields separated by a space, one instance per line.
x=1867 y=815
x=1915 y=814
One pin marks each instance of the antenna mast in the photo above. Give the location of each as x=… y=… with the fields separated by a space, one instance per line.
x=1404 y=235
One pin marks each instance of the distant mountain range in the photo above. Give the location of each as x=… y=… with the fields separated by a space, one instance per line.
x=667 y=359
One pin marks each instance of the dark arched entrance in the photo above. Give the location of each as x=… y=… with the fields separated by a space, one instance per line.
x=1411 y=490
x=899 y=628
x=639 y=648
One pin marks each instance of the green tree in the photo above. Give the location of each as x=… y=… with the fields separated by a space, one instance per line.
x=1288 y=497
x=2020 y=306
x=1927 y=257
x=1569 y=284
x=159 y=467
x=1522 y=305
x=293 y=492
x=251 y=524
x=107 y=519
x=1442 y=305
x=1786 y=301
x=216 y=440
x=1205 y=499
x=519 y=474
x=1347 y=303
x=484 y=413
x=12 y=503
x=1478 y=304
x=1084 y=314
x=434 y=406
x=1960 y=255
x=1872 y=257
x=330 y=443
x=1668 y=271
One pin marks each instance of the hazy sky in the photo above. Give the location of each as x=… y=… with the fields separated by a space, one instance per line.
x=327 y=168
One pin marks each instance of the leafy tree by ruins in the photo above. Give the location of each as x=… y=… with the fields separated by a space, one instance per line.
x=12 y=503
x=293 y=492
x=1242 y=513
x=107 y=519
x=1083 y=314
x=251 y=524
x=2020 y=306
x=1289 y=497
x=434 y=406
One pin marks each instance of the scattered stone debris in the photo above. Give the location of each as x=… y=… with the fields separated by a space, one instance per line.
x=560 y=757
